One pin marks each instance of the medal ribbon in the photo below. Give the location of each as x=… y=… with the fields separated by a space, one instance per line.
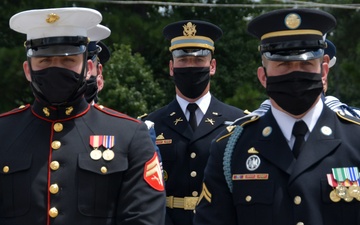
x=331 y=181
x=352 y=173
x=96 y=141
x=339 y=174
x=108 y=141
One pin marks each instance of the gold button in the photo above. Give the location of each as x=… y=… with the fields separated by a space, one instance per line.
x=195 y=193
x=53 y=212
x=248 y=198
x=54 y=165
x=56 y=145
x=58 y=127
x=6 y=169
x=54 y=188
x=193 y=155
x=103 y=169
x=297 y=200
x=193 y=174
x=300 y=223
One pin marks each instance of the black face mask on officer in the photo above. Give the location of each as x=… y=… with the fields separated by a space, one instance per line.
x=296 y=91
x=191 y=81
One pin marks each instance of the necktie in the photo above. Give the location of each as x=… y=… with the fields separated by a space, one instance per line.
x=299 y=131
x=192 y=107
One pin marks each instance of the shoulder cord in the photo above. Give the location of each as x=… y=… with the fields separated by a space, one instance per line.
x=228 y=154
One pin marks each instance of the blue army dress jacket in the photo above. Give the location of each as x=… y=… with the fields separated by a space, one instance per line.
x=185 y=153
x=266 y=185
x=51 y=176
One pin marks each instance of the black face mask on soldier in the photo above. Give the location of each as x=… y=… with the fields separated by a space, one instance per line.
x=91 y=89
x=191 y=81
x=295 y=92
x=57 y=86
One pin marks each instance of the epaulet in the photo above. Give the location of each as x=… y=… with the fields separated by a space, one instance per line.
x=348 y=118
x=114 y=113
x=239 y=122
x=16 y=110
x=142 y=116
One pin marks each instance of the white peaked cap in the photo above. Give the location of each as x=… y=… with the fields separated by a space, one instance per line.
x=55 y=22
x=98 y=33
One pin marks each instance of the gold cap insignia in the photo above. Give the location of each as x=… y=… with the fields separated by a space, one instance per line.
x=52 y=18
x=189 y=29
x=292 y=21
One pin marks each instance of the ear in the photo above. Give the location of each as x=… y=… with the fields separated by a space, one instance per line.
x=100 y=82
x=171 y=67
x=90 y=66
x=261 y=75
x=212 y=67
x=99 y=69
x=26 y=68
x=325 y=71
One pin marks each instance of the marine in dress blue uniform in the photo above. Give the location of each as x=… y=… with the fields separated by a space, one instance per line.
x=184 y=151
x=65 y=161
x=99 y=54
x=252 y=176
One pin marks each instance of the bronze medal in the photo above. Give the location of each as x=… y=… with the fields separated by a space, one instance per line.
x=353 y=191
x=334 y=197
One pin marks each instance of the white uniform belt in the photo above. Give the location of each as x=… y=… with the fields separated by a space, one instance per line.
x=186 y=203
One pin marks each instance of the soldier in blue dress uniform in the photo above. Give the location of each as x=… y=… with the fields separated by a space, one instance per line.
x=258 y=172
x=185 y=149
x=62 y=160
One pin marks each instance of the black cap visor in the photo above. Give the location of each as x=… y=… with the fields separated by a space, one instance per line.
x=296 y=55
x=190 y=52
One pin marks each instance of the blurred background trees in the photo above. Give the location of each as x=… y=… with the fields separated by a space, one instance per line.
x=136 y=77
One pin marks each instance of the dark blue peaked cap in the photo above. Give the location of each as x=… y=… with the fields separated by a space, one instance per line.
x=192 y=34
x=103 y=53
x=331 y=49
x=286 y=31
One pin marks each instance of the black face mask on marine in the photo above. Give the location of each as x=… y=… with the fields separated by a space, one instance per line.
x=91 y=89
x=191 y=81
x=57 y=86
x=295 y=92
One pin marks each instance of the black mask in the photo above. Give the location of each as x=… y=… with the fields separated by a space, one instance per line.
x=91 y=89
x=57 y=86
x=191 y=81
x=295 y=92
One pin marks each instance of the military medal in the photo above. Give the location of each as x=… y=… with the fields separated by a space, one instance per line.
x=353 y=175
x=95 y=142
x=334 y=197
x=339 y=176
x=108 y=142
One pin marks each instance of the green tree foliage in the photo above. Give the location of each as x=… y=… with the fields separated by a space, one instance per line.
x=129 y=84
